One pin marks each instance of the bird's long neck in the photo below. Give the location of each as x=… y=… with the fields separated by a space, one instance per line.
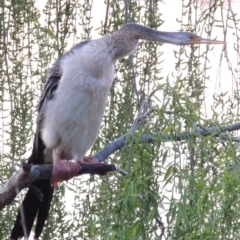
x=121 y=44
x=124 y=41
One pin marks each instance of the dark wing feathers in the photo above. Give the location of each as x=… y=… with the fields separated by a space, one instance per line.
x=48 y=92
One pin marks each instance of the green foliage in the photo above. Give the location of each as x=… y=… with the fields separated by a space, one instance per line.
x=190 y=186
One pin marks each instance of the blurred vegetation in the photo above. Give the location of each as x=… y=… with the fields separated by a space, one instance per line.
x=174 y=190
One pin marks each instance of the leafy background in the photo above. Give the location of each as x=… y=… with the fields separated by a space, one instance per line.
x=185 y=189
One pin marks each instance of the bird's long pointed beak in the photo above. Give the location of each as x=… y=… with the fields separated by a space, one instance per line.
x=200 y=40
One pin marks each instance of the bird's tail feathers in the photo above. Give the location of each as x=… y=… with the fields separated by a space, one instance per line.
x=31 y=206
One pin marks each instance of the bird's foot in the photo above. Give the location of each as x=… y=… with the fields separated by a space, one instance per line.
x=90 y=160
x=63 y=171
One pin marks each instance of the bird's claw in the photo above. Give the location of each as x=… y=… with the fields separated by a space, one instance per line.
x=63 y=171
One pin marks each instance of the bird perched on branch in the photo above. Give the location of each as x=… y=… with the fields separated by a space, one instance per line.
x=71 y=108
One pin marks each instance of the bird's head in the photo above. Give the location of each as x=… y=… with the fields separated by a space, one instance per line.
x=137 y=31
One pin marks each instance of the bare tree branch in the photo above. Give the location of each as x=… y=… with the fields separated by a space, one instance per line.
x=29 y=173
x=214 y=131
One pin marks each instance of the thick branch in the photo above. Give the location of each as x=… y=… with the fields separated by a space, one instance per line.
x=13 y=186
x=29 y=173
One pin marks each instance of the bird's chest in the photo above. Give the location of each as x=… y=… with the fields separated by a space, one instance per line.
x=80 y=100
x=84 y=95
x=74 y=115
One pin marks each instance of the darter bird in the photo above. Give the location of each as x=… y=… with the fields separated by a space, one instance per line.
x=71 y=109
